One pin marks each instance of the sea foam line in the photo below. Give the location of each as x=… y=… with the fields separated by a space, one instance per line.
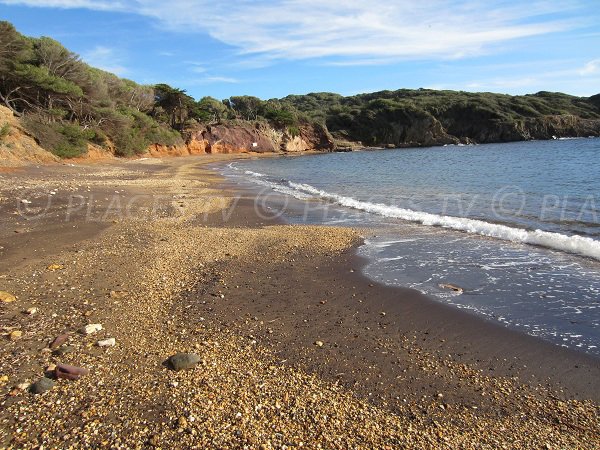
x=580 y=245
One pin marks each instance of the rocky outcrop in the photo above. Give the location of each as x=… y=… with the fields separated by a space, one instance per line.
x=311 y=137
x=560 y=126
x=469 y=125
x=244 y=137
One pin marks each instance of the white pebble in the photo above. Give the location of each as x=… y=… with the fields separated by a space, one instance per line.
x=110 y=342
x=91 y=328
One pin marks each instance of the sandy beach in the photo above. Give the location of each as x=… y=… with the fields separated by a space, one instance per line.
x=296 y=347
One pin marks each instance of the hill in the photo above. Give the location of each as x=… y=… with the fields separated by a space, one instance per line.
x=70 y=108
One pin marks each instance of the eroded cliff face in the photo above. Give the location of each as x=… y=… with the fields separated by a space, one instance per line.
x=247 y=137
x=469 y=127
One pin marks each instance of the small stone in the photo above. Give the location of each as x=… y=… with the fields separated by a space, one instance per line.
x=110 y=342
x=181 y=361
x=69 y=372
x=182 y=422
x=54 y=267
x=6 y=297
x=23 y=386
x=91 y=328
x=31 y=311
x=15 y=335
x=4 y=379
x=452 y=287
x=440 y=395
x=65 y=349
x=319 y=343
x=41 y=386
x=118 y=294
x=59 y=340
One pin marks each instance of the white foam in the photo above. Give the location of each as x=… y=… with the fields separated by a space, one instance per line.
x=254 y=174
x=580 y=245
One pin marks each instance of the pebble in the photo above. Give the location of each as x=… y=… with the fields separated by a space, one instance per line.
x=319 y=343
x=181 y=361
x=91 y=328
x=6 y=297
x=59 y=340
x=15 y=335
x=31 y=311
x=69 y=372
x=65 y=349
x=110 y=342
x=54 y=267
x=42 y=385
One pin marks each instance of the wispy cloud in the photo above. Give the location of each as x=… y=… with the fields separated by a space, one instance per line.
x=216 y=79
x=352 y=31
x=590 y=68
x=105 y=58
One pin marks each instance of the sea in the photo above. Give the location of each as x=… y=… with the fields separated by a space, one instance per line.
x=509 y=232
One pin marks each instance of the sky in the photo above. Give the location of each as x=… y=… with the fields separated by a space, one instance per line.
x=274 y=48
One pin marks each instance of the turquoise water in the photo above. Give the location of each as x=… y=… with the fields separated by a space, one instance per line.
x=516 y=226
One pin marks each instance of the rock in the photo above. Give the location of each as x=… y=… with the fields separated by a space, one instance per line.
x=110 y=342
x=118 y=294
x=23 y=386
x=15 y=335
x=3 y=379
x=42 y=385
x=70 y=372
x=91 y=328
x=319 y=343
x=54 y=267
x=181 y=361
x=65 y=349
x=31 y=311
x=59 y=340
x=6 y=297
x=182 y=422
x=452 y=287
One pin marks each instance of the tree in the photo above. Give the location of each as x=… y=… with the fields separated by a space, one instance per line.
x=246 y=106
x=210 y=110
x=175 y=102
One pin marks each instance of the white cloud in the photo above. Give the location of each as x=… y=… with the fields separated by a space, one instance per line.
x=591 y=68
x=105 y=58
x=371 y=31
x=216 y=79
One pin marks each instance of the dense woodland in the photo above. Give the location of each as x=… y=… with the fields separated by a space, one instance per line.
x=65 y=103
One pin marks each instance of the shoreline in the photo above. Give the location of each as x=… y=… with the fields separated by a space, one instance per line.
x=470 y=338
x=253 y=298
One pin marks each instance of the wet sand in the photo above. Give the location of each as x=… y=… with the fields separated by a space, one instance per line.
x=296 y=345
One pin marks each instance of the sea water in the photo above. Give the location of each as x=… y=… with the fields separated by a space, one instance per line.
x=515 y=226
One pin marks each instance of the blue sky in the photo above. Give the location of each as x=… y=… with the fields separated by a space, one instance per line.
x=274 y=48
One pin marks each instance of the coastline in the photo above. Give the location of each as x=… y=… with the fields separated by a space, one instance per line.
x=252 y=297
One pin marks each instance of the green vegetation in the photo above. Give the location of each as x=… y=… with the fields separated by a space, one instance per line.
x=379 y=117
x=4 y=130
x=66 y=105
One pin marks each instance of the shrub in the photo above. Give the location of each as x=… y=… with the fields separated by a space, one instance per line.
x=4 y=130
x=64 y=140
x=294 y=131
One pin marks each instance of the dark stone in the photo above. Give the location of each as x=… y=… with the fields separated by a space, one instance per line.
x=181 y=361
x=42 y=385
x=65 y=349
x=70 y=372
